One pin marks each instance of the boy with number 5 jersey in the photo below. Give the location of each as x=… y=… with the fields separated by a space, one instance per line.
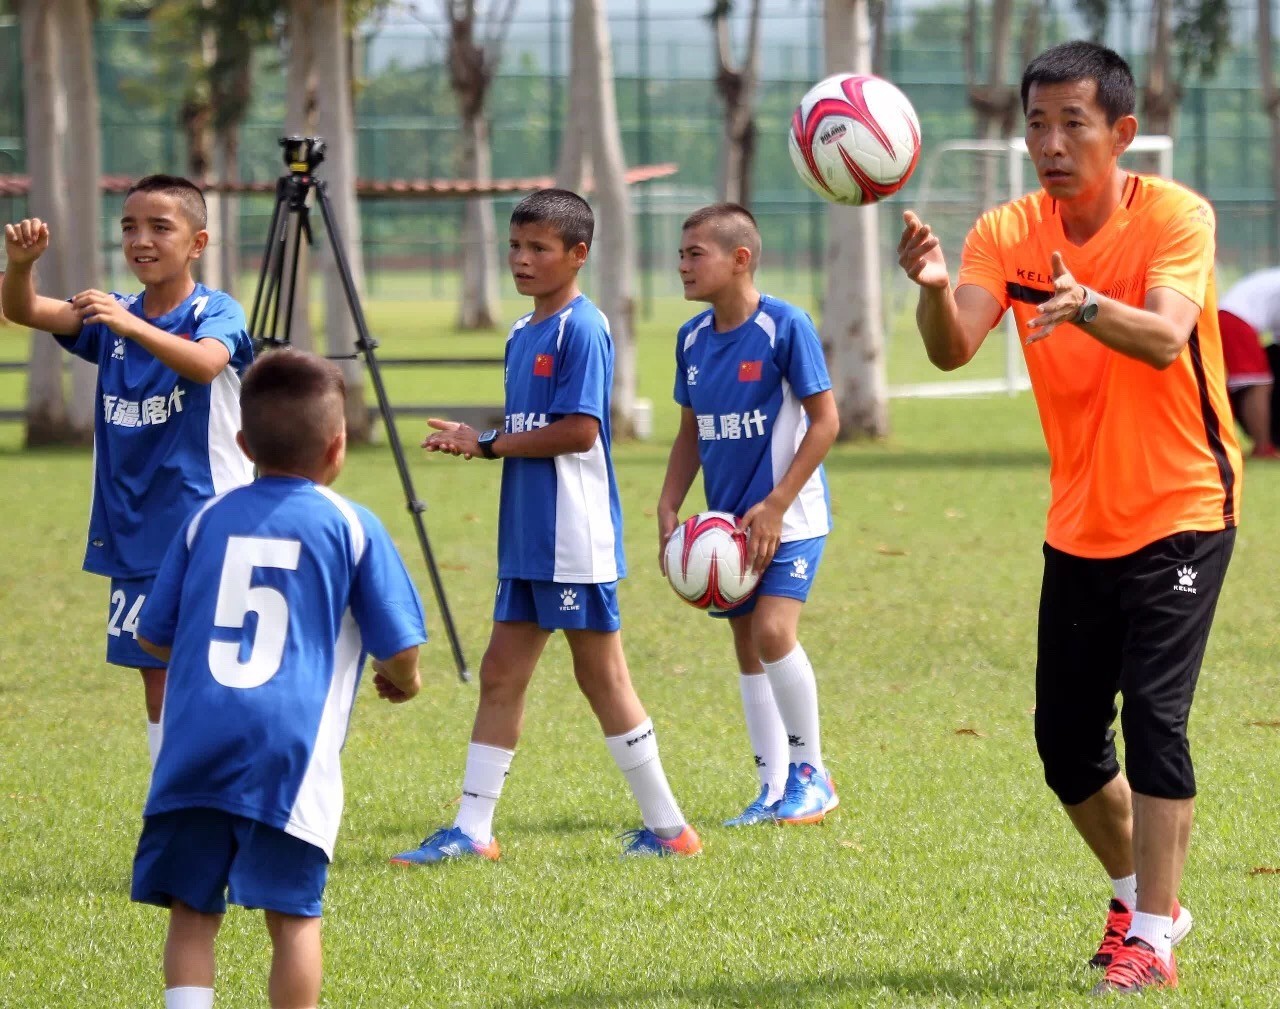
x=758 y=417
x=166 y=406
x=264 y=609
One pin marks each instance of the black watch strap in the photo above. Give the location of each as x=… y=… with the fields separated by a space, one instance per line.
x=485 y=441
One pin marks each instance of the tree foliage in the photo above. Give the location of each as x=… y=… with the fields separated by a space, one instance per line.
x=1202 y=30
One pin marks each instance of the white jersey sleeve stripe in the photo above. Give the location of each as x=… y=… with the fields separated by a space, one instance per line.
x=317 y=810
x=564 y=320
x=195 y=519
x=585 y=539
x=518 y=325
x=353 y=520
x=228 y=466
x=692 y=337
x=808 y=515
x=766 y=323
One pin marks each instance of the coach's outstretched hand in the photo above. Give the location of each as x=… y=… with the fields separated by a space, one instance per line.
x=25 y=241
x=1067 y=298
x=920 y=253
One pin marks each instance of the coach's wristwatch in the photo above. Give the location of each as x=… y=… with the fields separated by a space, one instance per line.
x=1087 y=312
x=486 y=440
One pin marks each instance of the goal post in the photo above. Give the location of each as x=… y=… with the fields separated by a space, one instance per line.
x=959 y=181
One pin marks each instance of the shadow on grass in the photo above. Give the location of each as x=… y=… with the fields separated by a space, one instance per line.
x=840 y=989
x=957 y=459
x=879 y=458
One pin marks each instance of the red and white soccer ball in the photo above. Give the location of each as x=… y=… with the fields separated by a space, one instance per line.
x=707 y=562
x=854 y=139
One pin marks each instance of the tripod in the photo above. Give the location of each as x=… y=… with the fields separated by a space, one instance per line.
x=290 y=223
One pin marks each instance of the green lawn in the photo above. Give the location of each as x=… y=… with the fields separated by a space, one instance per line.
x=948 y=877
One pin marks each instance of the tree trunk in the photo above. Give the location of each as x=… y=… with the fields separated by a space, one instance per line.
x=1161 y=94
x=45 y=112
x=992 y=101
x=1271 y=104
x=852 y=327
x=614 y=246
x=333 y=104
x=227 y=169
x=81 y=153
x=575 y=154
x=478 y=308
x=210 y=264
x=470 y=74
x=300 y=83
x=737 y=89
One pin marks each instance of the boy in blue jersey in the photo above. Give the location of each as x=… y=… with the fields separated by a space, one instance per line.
x=264 y=608
x=169 y=364
x=758 y=417
x=559 y=538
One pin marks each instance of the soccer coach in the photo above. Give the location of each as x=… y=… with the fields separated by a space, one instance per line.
x=1110 y=279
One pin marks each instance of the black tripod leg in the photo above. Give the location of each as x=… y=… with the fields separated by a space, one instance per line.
x=261 y=305
x=365 y=345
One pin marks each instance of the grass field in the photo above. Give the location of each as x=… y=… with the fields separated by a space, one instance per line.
x=948 y=877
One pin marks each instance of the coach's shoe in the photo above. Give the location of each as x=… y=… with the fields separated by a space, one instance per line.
x=1120 y=917
x=1135 y=968
x=446 y=843
x=761 y=810
x=645 y=842
x=808 y=797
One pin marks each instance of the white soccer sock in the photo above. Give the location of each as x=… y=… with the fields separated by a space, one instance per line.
x=487 y=768
x=636 y=754
x=795 y=691
x=188 y=998
x=1126 y=891
x=764 y=729
x=1156 y=930
x=155 y=735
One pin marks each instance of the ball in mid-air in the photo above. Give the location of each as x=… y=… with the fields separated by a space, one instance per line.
x=854 y=139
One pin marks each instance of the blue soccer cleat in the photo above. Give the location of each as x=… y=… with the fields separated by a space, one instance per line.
x=447 y=843
x=808 y=797
x=759 y=811
x=645 y=842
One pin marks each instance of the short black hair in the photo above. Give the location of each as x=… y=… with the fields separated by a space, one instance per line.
x=563 y=210
x=291 y=406
x=185 y=191
x=1085 y=61
x=732 y=226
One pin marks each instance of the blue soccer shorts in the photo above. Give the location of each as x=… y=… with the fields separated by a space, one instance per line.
x=206 y=857
x=558 y=606
x=790 y=574
x=127 y=597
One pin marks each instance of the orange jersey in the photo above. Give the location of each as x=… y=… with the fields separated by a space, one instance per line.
x=1136 y=454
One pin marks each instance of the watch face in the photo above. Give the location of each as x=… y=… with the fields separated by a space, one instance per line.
x=1088 y=313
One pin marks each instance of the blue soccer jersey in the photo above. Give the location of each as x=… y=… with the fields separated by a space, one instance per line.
x=270 y=597
x=745 y=388
x=560 y=519
x=163 y=444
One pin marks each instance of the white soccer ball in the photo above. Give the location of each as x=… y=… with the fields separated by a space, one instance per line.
x=706 y=562
x=854 y=139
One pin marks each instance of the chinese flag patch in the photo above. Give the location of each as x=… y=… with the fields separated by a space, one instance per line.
x=750 y=371
x=542 y=365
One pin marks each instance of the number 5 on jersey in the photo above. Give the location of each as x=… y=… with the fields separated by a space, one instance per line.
x=238 y=597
